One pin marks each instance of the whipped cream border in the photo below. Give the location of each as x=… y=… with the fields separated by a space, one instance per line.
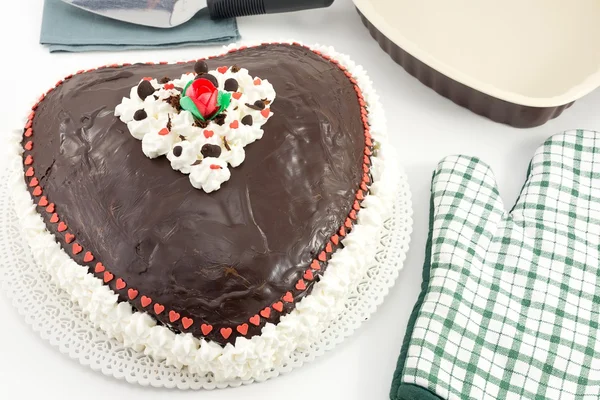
x=249 y=358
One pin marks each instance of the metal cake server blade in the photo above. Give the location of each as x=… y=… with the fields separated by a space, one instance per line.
x=171 y=13
x=157 y=13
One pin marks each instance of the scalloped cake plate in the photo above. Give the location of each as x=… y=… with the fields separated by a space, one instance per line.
x=518 y=63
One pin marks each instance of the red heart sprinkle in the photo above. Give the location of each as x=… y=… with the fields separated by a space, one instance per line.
x=288 y=297
x=215 y=166
x=342 y=231
x=69 y=237
x=364 y=187
x=266 y=112
x=359 y=195
x=226 y=332
x=186 y=322
x=29 y=172
x=222 y=69
x=266 y=312
x=308 y=275
x=108 y=277
x=208 y=134
x=243 y=329
x=348 y=223
x=88 y=257
x=158 y=308
x=335 y=239
x=365 y=169
x=356 y=205
x=145 y=301
x=169 y=86
x=54 y=218
x=278 y=306
x=206 y=329
x=120 y=284
x=37 y=191
x=255 y=320
x=43 y=201
x=322 y=256
x=366 y=160
x=368 y=141
x=99 y=268
x=353 y=214
x=28 y=124
x=234 y=125
x=315 y=265
x=328 y=248
x=132 y=293
x=173 y=316
x=50 y=207
x=366 y=178
x=368 y=151
x=34 y=182
x=29 y=145
x=164 y=132
x=300 y=285
x=236 y=95
x=62 y=227
x=28 y=160
x=28 y=132
x=147 y=78
x=257 y=81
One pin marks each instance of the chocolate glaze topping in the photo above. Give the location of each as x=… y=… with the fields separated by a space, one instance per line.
x=217 y=258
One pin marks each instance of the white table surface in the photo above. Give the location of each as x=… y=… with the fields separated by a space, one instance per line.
x=424 y=126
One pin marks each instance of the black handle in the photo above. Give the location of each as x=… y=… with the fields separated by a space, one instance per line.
x=240 y=8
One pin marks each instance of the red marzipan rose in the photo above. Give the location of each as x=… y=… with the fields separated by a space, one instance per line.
x=204 y=95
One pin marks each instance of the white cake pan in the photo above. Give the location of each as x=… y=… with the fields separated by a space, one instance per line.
x=516 y=62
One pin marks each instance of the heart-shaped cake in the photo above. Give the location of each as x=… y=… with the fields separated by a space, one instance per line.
x=261 y=259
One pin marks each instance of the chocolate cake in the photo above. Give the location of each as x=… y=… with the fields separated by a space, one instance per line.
x=219 y=265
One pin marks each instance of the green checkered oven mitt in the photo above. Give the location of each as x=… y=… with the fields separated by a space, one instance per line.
x=510 y=302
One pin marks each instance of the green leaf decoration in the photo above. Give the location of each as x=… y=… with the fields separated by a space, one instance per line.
x=224 y=99
x=187 y=104
x=187 y=86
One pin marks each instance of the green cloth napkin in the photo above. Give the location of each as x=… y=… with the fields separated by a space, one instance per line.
x=510 y=301
x=68 y=28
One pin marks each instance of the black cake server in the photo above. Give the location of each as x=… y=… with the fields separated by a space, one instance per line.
x=171 y=13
